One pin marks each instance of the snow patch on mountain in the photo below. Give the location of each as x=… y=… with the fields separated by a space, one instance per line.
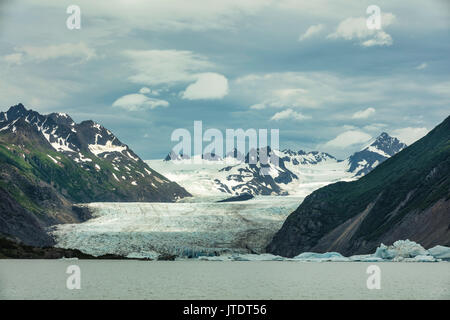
x=382 y=148
x=98 y=149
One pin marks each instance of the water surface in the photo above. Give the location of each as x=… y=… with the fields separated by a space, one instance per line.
x=121 y=279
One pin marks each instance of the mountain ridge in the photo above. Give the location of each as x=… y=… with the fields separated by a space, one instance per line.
x=49 y=162
x=258 y=178
x=405 y=197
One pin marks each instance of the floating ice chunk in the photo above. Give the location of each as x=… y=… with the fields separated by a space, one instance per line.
x=365 y=258
x=419 y=258
x=153 y=255
x=215 y=258
x=321 y=257
x=440 y=252
x=400 y=248
x=256 y=257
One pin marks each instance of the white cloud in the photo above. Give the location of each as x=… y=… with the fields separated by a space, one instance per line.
x=145 y=90
x=363 y=114
x=288 y=114
x=13 y=58
x=282 y=90
x=174 y=15
x=66 y=50
x=375 y=127
x=297 y=90
x=356 y=28
x=311 y=31
x=37 y=92
x=349 y=127
x=422 y=66
x=409 y=135
x=326 y=90
x=208 y=86
x=156 y=67
x=137 y=101
x=348 y=138
x=380 y=38
x=258 y=106
x=173 y=67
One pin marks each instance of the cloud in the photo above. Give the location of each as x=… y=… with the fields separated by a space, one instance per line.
x=409 y=135
x=258 y=106
x=13 y=58
x=43 y=53
x=137 y=101
x=311 y=31
x=288 y=114
x=422 y=66
x=363 y=114
x=380 y=38
x=174 y=67
x=332 y=91
x=356 y=28
x=145 y=90
x=348 y=138
x=162 y=15
x=286 y=97
x=295 y=90
x=208 y=86
x=156 y=67
x=281 y=90
x=375 y=127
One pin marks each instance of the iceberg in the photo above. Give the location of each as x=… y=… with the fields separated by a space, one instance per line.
x=365 y=258
x=321 y=257
x=440 y=252
x=400 y=250
x=244 y=257
x=257 y=257
x=420 y=258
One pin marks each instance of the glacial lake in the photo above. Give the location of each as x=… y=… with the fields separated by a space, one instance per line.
x=190 y=279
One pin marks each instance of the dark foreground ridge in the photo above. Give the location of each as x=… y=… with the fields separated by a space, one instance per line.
x=405 y=197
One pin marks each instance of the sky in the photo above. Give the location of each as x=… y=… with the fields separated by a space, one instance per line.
x=312 y=69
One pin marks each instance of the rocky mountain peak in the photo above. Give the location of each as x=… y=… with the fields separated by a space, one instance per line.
x=382 y=148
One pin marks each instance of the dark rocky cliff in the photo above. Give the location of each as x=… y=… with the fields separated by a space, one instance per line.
x=405 y=197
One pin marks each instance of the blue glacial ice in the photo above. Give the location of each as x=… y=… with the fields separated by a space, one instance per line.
x=399 y=251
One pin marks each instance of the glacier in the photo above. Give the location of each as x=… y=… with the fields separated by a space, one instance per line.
x=201 y=228
x=193 y=228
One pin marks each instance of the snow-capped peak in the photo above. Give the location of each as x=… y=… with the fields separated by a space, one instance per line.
x=378 y=150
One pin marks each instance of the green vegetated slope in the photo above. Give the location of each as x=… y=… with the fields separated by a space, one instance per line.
x=407 y=196
x=48 y=163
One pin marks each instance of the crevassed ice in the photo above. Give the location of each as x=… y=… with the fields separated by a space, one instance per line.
x=183 y=229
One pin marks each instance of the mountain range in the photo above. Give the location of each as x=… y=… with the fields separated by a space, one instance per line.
x=405 y=197
x=48 y=163
x=290 y=171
